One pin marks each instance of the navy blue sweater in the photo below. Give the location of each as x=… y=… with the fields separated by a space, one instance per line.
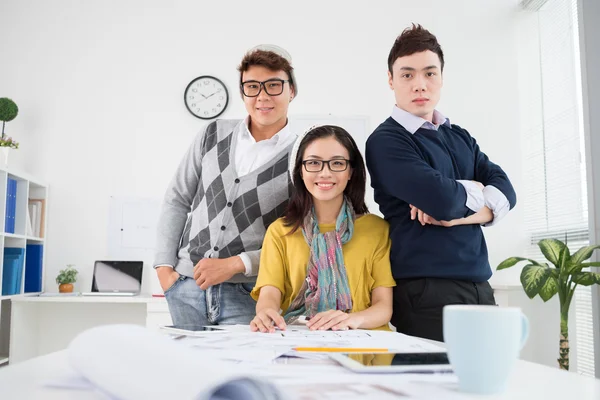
x=422 y=170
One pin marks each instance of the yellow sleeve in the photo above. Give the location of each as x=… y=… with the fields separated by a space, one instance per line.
x=271 y=271
x=382 y=268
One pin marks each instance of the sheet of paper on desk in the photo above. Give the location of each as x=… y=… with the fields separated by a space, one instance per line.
x=350 y=391
x=105 y=355
x=241 y=337
x=353 y=390
x=275 y=345
x=362 y=339
x=246 y=356
x=320 y=382
x=391 y=340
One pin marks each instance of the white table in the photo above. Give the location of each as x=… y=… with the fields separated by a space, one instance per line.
x=42 y=325
x=529 y=381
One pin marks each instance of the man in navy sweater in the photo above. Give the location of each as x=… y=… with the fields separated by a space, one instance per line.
x=436 y=188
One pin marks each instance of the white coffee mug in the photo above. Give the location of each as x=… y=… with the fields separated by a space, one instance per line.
x=483 y=344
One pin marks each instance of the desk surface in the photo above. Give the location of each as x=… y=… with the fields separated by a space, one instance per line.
x=529 y=381
x=141 y=298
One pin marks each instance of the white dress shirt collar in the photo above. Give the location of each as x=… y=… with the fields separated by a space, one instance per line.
x=412 y=123
x=280 y=138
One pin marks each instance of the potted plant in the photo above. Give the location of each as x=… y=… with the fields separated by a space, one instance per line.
x=8 y=112
x=66 y=278
x=545 y=281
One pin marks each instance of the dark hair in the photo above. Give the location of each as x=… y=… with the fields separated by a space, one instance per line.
x=268 y=59
x=414 y=40
x=301 y=201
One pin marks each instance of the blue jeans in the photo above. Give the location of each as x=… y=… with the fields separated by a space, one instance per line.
x=223 y=304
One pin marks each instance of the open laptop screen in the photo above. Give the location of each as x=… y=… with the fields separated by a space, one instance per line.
x=117 y=276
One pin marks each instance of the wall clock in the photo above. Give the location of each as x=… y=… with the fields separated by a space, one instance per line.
x=206 y=97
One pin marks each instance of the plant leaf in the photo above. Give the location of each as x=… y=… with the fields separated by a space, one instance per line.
x=549 y=289
x=565 y=257
x=575 y=268
x=564 y=262
x=583 y=254
x=552 y=249
x=586 y=278
x=590 y=264
x=509 y=262
x=533 y=277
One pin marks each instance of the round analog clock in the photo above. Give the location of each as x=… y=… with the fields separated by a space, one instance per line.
x=206 y=97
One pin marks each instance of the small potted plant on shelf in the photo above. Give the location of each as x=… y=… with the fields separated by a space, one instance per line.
x=66 y=278
x=8 y=112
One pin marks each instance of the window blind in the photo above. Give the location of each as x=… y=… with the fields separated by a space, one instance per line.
x=555 y=196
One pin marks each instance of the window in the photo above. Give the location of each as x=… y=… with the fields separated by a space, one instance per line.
x=555 y=198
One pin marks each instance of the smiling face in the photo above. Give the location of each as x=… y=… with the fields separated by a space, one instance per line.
x=326 y=186
x=417 y=83
x=267 y=111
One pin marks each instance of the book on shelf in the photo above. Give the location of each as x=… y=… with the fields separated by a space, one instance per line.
x=11 y=203
x=33 y=267
x=29 y=225
x=12 y=270
x=37 y=210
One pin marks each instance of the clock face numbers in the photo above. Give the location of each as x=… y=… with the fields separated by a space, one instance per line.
x=206 y=97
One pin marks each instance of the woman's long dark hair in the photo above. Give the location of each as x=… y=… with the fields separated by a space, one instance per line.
x=301 y=201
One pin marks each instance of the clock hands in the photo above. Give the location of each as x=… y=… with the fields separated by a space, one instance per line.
x=206 y=97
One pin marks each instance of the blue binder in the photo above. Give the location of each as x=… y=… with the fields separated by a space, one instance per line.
x=13 y=210
x=9 y=215
x=11 y=205
x=12 y=274
x=7 y=211
x=33 y=268
x=14 y=205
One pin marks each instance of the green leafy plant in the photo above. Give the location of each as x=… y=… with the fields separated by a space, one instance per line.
x=67 y=275
x=9 y=142
x=545 y=281
x=8 y=112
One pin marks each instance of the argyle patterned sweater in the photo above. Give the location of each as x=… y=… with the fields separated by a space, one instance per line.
x=209 y=211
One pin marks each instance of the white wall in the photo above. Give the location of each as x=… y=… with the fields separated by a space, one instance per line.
x=100 y=88
x=589 y=12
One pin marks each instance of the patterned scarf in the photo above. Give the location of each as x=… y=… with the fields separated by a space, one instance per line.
x=326 y=284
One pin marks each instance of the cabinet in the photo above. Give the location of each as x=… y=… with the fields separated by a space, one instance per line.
x=22 y=240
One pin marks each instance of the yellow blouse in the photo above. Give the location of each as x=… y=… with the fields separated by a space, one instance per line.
x=284 y=258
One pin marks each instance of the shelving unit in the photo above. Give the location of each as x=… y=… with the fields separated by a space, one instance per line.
x=27 y=188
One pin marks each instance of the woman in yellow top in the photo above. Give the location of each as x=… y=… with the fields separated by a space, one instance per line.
x=327 y=258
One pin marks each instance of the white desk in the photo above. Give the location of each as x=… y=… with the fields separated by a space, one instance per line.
x=528 y=382
x=42 y=325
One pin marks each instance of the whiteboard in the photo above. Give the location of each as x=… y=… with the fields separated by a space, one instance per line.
x=132 y=225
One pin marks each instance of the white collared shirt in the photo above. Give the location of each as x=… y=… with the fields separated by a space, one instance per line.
x=490 y=196
x=412 y=122
x=251 y=155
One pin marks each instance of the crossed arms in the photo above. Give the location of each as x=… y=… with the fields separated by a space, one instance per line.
x=433 y=198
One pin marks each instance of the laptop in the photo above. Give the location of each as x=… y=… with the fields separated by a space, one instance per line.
x=116 y=278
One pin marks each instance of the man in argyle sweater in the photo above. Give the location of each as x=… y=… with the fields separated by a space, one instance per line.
x=230 y=186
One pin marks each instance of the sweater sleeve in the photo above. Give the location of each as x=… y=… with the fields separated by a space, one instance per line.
x=400 y=171
x=251 y=260
x=177 y=202
x=490 y=174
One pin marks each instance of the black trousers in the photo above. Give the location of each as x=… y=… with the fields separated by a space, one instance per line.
x=418 y=303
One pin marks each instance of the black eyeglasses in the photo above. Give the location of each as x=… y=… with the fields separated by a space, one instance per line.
x=337 y=165
x=273 y=87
